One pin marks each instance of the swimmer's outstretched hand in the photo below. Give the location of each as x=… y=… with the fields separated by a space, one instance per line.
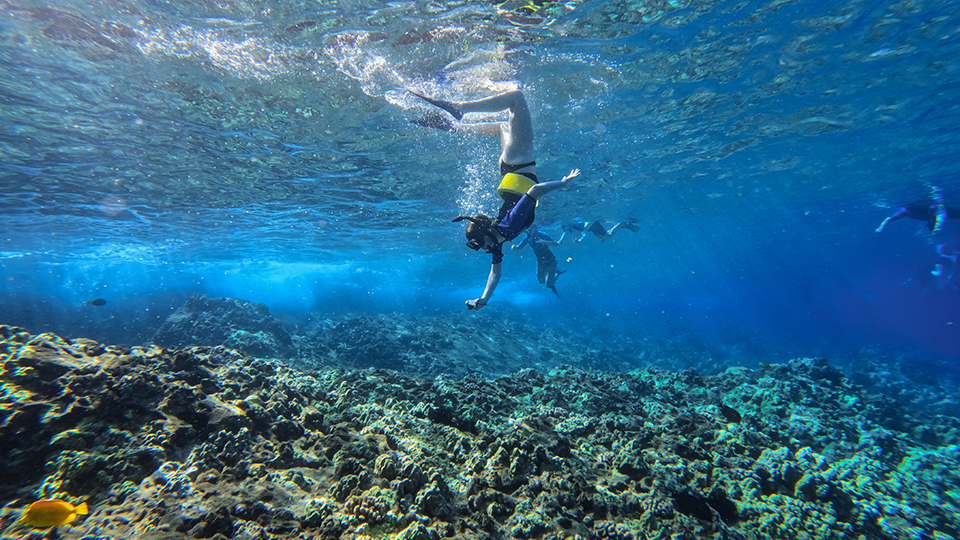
x=882 y=225
x=476 y=304
x=573 y=174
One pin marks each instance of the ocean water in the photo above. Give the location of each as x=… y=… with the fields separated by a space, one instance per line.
x=151 y=151
x=754 y=361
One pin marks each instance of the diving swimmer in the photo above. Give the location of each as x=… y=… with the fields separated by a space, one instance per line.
x=519 y=187
x=540 y=242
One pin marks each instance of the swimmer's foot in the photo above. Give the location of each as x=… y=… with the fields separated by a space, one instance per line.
x=937 y=270
x=435 y=120
x=445 y=105
x=632 y=226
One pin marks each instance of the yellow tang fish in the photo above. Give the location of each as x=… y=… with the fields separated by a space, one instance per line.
x=52 y=513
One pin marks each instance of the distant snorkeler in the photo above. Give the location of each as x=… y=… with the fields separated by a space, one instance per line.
x=540 y=242
x=519 y=187
x=597 y=229
x=934 y=213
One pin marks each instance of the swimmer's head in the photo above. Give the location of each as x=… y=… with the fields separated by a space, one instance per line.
x=477 y=230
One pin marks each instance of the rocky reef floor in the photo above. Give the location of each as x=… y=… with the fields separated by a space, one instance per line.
x=169 y=443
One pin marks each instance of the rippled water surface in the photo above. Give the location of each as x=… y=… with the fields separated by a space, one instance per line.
x=757 y=144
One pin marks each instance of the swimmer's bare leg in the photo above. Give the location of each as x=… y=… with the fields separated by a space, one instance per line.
x=517 y=138
x=517 y=141
x=622 y=225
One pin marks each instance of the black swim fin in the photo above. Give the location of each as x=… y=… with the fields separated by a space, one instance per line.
x=435 y=120
x=445 y=105
x=554 y=289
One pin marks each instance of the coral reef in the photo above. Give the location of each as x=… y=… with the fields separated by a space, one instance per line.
x=488 y=344
x=237 y=324
x=446 y=345
x=206 y=442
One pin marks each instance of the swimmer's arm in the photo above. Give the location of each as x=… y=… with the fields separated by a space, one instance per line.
x=900 y=213
x=492 y=280
x=543 y=188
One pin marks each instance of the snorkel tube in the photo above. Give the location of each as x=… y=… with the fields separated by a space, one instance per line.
x=467 y=218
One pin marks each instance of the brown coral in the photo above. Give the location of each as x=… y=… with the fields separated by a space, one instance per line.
x=658 y=507
x=366 y=508
x=609 y=530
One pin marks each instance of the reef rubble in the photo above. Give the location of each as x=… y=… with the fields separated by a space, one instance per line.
x=207 y=442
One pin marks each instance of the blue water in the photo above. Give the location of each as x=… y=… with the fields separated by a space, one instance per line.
x=263 y=151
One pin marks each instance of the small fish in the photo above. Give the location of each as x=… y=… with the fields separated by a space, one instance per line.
x=51 y=513
x=730 y=413
x=98 y=302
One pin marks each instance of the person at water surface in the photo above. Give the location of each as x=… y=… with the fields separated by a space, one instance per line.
x=934 y=213
x=519 y=186
x=597 y=229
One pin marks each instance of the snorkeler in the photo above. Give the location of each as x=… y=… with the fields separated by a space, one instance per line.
x=934 y=213
x=519 y=187
x=597 y=229
x=547 y=272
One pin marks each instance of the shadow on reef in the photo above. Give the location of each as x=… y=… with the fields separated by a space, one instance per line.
x=205 y=442
x=245 y=326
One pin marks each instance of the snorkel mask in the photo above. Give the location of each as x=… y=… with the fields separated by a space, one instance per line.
x=474 y=244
